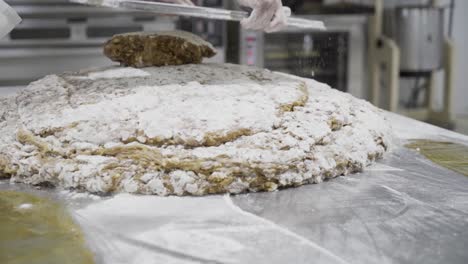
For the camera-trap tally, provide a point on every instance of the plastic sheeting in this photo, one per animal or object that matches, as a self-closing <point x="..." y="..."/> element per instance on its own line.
<point x="405" y="209"/>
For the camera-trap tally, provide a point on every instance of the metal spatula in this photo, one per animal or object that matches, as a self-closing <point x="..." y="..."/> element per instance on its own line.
<point x="197" y="11"/>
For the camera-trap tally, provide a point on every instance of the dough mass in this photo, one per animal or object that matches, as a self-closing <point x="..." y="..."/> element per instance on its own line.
<point x="185" y="130"/>
<point x="140" y="49"/>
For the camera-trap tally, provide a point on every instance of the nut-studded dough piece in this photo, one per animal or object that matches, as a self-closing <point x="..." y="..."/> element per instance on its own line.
<point x="143" y="49"/>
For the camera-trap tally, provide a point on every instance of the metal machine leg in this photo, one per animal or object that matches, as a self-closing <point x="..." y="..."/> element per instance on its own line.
<point x="390" y="57"/>
<point x="443" y="118"/>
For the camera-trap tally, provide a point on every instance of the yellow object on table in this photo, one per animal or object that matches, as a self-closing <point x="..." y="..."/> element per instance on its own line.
<point x="450" y="155"/>
<point x="34" y="229"/>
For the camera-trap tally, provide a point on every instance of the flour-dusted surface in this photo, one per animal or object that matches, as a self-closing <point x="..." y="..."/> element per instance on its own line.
<point x="192" y="129"/>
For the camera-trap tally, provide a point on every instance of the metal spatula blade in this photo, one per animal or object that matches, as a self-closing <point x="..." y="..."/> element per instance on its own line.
<point x="197" y="11"/>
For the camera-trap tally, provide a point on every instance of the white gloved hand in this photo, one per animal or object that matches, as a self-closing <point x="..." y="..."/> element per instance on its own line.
<point x="267" y="15"/>
<point x="179" y="2"/>
<point x="8" y="19"/>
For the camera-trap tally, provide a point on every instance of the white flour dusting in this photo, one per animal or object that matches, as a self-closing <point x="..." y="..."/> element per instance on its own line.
<point x="118" y="73"/>
<point x="25" y="206"/>
<point x="188" y="129"/>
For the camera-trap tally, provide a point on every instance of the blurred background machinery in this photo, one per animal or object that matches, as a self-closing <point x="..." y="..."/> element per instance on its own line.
<point x="57" y="36"/>
<point x="397" y="54"/>
<point x="412" y="46"/>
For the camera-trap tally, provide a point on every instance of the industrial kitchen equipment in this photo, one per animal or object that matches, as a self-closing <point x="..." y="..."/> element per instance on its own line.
<point x="411" y="47"/>
<point x="57" y="36"/>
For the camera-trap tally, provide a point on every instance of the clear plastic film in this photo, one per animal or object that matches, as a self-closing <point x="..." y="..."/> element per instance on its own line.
<point x="8" y="18"/>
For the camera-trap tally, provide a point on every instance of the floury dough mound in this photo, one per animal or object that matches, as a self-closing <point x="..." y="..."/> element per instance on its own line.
<point x="185" y="130"/>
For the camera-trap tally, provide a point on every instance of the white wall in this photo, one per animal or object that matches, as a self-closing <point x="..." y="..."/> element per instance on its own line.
<point x="460" y="36"/>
